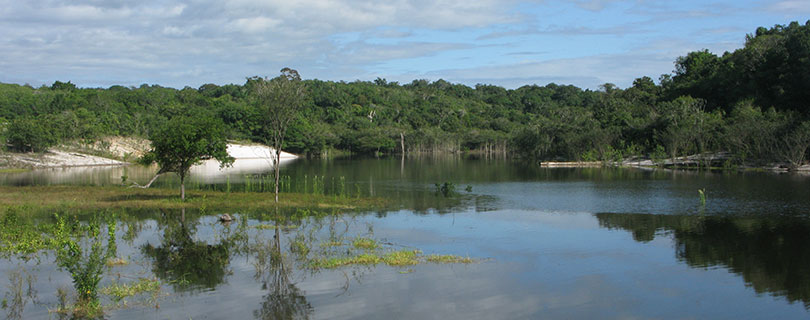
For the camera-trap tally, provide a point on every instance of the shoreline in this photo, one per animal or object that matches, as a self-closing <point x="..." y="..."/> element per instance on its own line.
<point x="62" y="157"/>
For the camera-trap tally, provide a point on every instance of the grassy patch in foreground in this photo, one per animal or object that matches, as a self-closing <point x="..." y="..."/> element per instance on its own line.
<point x="399" y="258"/>
<point x="120" y="291"/>
<point x="111" y="197"/>
<point x="371" y="252"/>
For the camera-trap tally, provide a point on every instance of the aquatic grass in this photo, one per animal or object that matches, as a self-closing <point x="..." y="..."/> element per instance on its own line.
<point x="335" y="262"/>
<point x="402" y="258"/>
<point x="116" y="262"/>
<point x="300" y="247"/>
<point x="21" y="237"/>
<point x="121" y="291"/>
<point x="365" y="244"/>
<point x="59" y="198"/>
<point x="396" y="258"/>
<point x="702" y="194"/>
<point x="448" y="258"/>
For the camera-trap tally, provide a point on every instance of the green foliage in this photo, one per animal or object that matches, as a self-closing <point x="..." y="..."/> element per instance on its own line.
<point x="748" y="102"/>
<point x="29" y="135"/>
<point x="185" y="141"/>
<point x="121" y="291"/>
<point x="85" y="266"/>
<point x="446" y="189"/>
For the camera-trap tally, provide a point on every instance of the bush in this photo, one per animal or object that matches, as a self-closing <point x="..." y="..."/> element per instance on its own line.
<point x="29" y="134"/>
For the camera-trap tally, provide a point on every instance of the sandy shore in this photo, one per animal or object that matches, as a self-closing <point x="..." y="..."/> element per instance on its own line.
<point x="58" y="158"/>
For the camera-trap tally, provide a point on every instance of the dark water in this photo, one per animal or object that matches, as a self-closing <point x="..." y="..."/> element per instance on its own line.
<point x="549" y="243"/>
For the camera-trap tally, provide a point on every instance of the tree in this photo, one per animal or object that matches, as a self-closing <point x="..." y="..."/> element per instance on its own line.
<point x="30" y="134"/>
<point x="279" y="100"/>
<point x="185" y="141"/>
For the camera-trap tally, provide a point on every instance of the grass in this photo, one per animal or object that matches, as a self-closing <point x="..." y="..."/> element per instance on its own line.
<point x="114" y="262"/>
<point x="399" y="258"/>
<point x="120" y="291"/>
<point x="402" y="258"/>
<point x="113" y="197"/>
<point x="365" y="244"/>
<point x="374" y="254"/>
<point x="448" y="258"/>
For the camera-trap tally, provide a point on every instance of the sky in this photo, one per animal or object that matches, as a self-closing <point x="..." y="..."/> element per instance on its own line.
<point x="510" y="43"/>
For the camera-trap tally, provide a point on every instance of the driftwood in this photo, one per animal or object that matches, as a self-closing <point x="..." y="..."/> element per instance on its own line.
<point x="136" y="185"/>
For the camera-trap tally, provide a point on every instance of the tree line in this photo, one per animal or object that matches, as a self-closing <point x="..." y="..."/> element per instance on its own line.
<point x="753" y="103"/>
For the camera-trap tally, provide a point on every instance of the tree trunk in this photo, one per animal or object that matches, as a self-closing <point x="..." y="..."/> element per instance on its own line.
<point x="182" y="188"/>
<point x="135" y="184"/>
<point x="277" y="161"/>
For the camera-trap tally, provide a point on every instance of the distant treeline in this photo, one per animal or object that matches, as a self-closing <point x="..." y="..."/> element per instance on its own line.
<point x="753" y="103"/>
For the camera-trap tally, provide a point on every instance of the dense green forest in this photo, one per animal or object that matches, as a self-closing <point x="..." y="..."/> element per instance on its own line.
<point x="753" y="103"/>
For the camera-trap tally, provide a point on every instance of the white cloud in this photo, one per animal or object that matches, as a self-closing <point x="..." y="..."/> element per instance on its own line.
<point x="791" y="6"/>
<point x="584" y="72"/>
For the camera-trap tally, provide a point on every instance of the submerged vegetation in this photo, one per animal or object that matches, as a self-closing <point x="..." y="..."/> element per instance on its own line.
<point x="84" y="244"/>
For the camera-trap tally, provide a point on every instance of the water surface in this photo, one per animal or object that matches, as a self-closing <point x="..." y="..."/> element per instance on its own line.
<point x="548" y="243"/>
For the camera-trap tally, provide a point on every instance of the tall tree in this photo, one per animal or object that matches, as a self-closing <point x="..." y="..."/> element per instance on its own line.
<point x="185" y="141"/>
<point x="279" y="100"/>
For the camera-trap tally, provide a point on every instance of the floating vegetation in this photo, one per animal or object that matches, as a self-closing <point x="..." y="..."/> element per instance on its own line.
<point x="120" y="291"/>
<point x="372" y="252"/>
<point x="115" y="262"/>
<point x="402" y="258"/>
<point x="365" y="243"/>
<point x="397" y="258"/>
<point x="446" y="189"/>
<point x="448" y="258"/>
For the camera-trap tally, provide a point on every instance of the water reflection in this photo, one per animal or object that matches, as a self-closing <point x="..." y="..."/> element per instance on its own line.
<point x="20" y="292"/>
<point x="184" y="262"/>
<point x="770" y="253"/>
<point x="283" y="299"/>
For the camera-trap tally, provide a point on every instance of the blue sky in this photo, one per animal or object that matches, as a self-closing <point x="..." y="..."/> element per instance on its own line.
<point x="99" y="43"/>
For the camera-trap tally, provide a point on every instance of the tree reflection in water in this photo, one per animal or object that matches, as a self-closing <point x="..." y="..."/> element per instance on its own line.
<point x="275" y="269"/>
<point x="184" y="262"/>
<point x="770" y="253"/>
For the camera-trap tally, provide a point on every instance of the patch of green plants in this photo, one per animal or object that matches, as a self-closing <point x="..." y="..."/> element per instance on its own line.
<point x="369" y="252"/>
<point x="446" y="189"/>
<point x="120" y="291"/>
<point x="85" y="266"/>
<point x="365" y="244"/>
<point x="448" y="258"/>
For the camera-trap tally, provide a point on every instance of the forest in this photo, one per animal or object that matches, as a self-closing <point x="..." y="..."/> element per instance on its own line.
<point x="753" y="104"/>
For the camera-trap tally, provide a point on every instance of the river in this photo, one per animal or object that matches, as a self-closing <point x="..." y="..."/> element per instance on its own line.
<point x="572" y="243"/>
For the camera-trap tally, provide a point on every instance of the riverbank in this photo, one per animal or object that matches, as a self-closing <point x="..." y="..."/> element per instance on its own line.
<point x="113" y="151"/>
<point x="716" y="161"/>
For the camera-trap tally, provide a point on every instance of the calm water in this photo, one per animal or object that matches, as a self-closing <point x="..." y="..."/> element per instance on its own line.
<point x="549" y="243"/>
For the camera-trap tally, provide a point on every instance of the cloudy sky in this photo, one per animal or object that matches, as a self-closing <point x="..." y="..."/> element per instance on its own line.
<point x="98" y="43"/>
